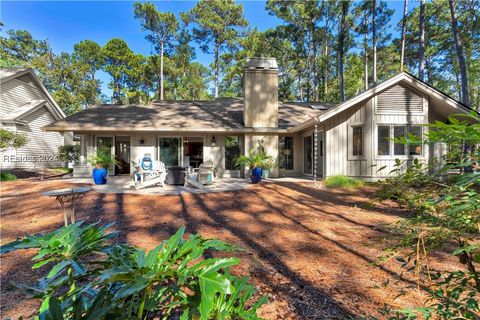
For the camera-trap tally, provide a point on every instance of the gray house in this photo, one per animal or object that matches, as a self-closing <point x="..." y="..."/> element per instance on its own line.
<point x="352" y="138"/>
<point x="26" y="107"/>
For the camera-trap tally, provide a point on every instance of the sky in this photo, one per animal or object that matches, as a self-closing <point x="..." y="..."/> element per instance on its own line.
<point x="64" y="23"/>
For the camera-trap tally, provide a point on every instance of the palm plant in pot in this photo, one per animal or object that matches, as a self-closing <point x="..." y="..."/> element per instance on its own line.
<point x="254" y="163"/>
<point x="101" y="160"/>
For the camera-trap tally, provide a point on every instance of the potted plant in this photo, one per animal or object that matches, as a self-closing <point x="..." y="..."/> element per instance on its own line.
<point x="267" y="165"/>
<point x="254" y="162"/>
<point x="101" y="160"/>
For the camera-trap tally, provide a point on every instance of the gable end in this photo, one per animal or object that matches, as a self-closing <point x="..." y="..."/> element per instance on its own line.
<point x="399" y="99"/>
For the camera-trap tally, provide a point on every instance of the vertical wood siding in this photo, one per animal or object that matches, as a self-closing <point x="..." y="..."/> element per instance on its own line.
<point x="398" y="105"/>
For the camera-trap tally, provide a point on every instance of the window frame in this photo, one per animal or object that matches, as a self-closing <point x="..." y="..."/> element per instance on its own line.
<point x="406" y="155"/>
<point x="292" y="148"/>
<point x="350" y="141"/>
<point x="225" y="151"/>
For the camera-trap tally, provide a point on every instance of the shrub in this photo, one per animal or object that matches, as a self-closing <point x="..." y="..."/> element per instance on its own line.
<point x="7" y="176"/>
<point x="92" y="278"/>
<point x="69" y="152"/>
<point x="9" y="139"/>
<point x="446" y="216"/>
<point x="342" y="181"/>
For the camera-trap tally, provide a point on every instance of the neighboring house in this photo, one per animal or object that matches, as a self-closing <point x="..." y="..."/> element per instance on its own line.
<point x="26" y="107"/>
<point x="351" y="138"/>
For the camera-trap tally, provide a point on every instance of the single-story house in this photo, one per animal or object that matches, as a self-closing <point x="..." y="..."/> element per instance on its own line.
<point x="353" y="138"/>
<point x="26" y="107"/>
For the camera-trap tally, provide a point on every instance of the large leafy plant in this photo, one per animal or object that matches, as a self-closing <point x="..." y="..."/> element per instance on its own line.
<point x="103" y="158"/>
<point x="118" y="281"/>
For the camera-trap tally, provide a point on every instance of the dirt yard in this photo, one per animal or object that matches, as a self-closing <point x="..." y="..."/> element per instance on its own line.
<point x="312" y="250"/>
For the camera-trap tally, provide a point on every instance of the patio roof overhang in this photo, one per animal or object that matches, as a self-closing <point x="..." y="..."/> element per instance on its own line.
<point x="87" y="129"/>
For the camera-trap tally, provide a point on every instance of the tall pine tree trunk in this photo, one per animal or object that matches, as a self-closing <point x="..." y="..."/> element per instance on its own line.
<point x="460" y="54"/>
<point x="341" y="44"/>
<point x="404" y="32"/>
<point x="162" y="49"/>
<point x="374" y="40"/>
<point x="365" y="49"/>
<point x="215" y="76"/>
<point x="421" y="49"/>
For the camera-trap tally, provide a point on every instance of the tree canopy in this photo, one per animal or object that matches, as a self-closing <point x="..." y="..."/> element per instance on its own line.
<point x="326" y="51"/>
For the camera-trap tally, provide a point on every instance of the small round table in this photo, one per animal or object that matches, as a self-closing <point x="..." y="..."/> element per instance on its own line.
<point x="68" y="195"/>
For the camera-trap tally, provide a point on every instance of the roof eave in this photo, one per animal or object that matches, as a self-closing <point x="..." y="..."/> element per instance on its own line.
<point x="163" y="129"/>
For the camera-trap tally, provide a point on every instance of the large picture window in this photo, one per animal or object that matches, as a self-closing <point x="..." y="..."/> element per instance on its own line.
<point x="232" y="151"/>
<point x="285" y="155"/>
<point x="387" y="140"/>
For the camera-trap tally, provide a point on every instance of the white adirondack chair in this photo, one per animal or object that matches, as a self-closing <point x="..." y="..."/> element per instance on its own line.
<point x="201" y="176"/>
<point x="146" y="178"/>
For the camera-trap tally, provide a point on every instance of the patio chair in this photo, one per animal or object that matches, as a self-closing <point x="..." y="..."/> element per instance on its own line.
<point x="201" y="176"/>
<point x="149" y="173"/>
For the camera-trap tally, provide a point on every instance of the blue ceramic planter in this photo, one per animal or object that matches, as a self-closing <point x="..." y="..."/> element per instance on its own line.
<point x="256" y="175"/>
<point x="100" y="175"/>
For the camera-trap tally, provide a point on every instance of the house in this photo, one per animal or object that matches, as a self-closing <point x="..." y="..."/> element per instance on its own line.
<point x="352" y="138"/>
<point x="26" y="107"/>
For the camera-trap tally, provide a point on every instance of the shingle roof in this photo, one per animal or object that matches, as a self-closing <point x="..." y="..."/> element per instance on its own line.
<point x="224" y="113"/>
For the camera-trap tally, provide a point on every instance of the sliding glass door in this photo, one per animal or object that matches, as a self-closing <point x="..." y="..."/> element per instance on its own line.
<point x="170" y="151"/>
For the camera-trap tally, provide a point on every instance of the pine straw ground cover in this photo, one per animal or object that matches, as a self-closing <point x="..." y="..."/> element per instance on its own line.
<point x="311" y="250"/>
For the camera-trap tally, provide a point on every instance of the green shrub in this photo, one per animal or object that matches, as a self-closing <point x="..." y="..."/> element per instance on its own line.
<point x="93" y="278"/>
<point x="7" y="176"/>
<point x="341" y="181"/>
<point x="69" y="152"/>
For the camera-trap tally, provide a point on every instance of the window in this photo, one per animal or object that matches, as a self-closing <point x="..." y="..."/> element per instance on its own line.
<point x="383" y="146"/>
<point x="285" y="153"/>
<point x="357" y="141"/>
<point x="386" y="141"/>
<point x="415" y="148"/>
<point x="398" y="148"/>
<point x="232" y="151"/>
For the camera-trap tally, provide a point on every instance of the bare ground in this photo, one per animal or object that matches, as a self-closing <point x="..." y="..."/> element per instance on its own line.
<point x="312" y="250"/>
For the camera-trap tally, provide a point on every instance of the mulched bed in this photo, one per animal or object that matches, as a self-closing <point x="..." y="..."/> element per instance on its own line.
<point x="312" y="250"/>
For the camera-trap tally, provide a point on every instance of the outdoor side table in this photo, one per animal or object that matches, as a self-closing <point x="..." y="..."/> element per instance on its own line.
<point x="64" y="196"/>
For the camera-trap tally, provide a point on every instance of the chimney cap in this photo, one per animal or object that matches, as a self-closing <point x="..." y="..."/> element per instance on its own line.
<point x="261" y="63"/>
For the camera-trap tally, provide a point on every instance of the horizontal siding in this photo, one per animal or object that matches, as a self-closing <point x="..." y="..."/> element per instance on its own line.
<point x="399" y="99"/>
<point x="15" y="93"/>
<point x="40" y="144"/>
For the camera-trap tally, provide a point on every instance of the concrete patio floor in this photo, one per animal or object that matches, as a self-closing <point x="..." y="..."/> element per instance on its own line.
<point x="124" y="184"/>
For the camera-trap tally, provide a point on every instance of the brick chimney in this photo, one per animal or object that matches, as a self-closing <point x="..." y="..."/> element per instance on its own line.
<point x="260" y="92"/>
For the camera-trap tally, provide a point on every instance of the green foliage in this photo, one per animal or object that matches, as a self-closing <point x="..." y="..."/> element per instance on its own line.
<point x="103" y="158"/>
<point x="341" y="181"/>
<point x="69" y="152"/>
<point x="254" y="160"/>
<point x="117" y="281"/>
<point x="216" y="27"/>
<point x="10" y="139"/>
<point x="7" y="176"/>
<point x="447" y="215"/>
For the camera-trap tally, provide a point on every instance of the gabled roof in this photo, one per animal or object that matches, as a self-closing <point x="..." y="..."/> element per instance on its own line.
<point x="404" y="78"/>
<point x="224" y="114"/>
<point x="8" y="74"/>
<point x="23" y="111"/>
